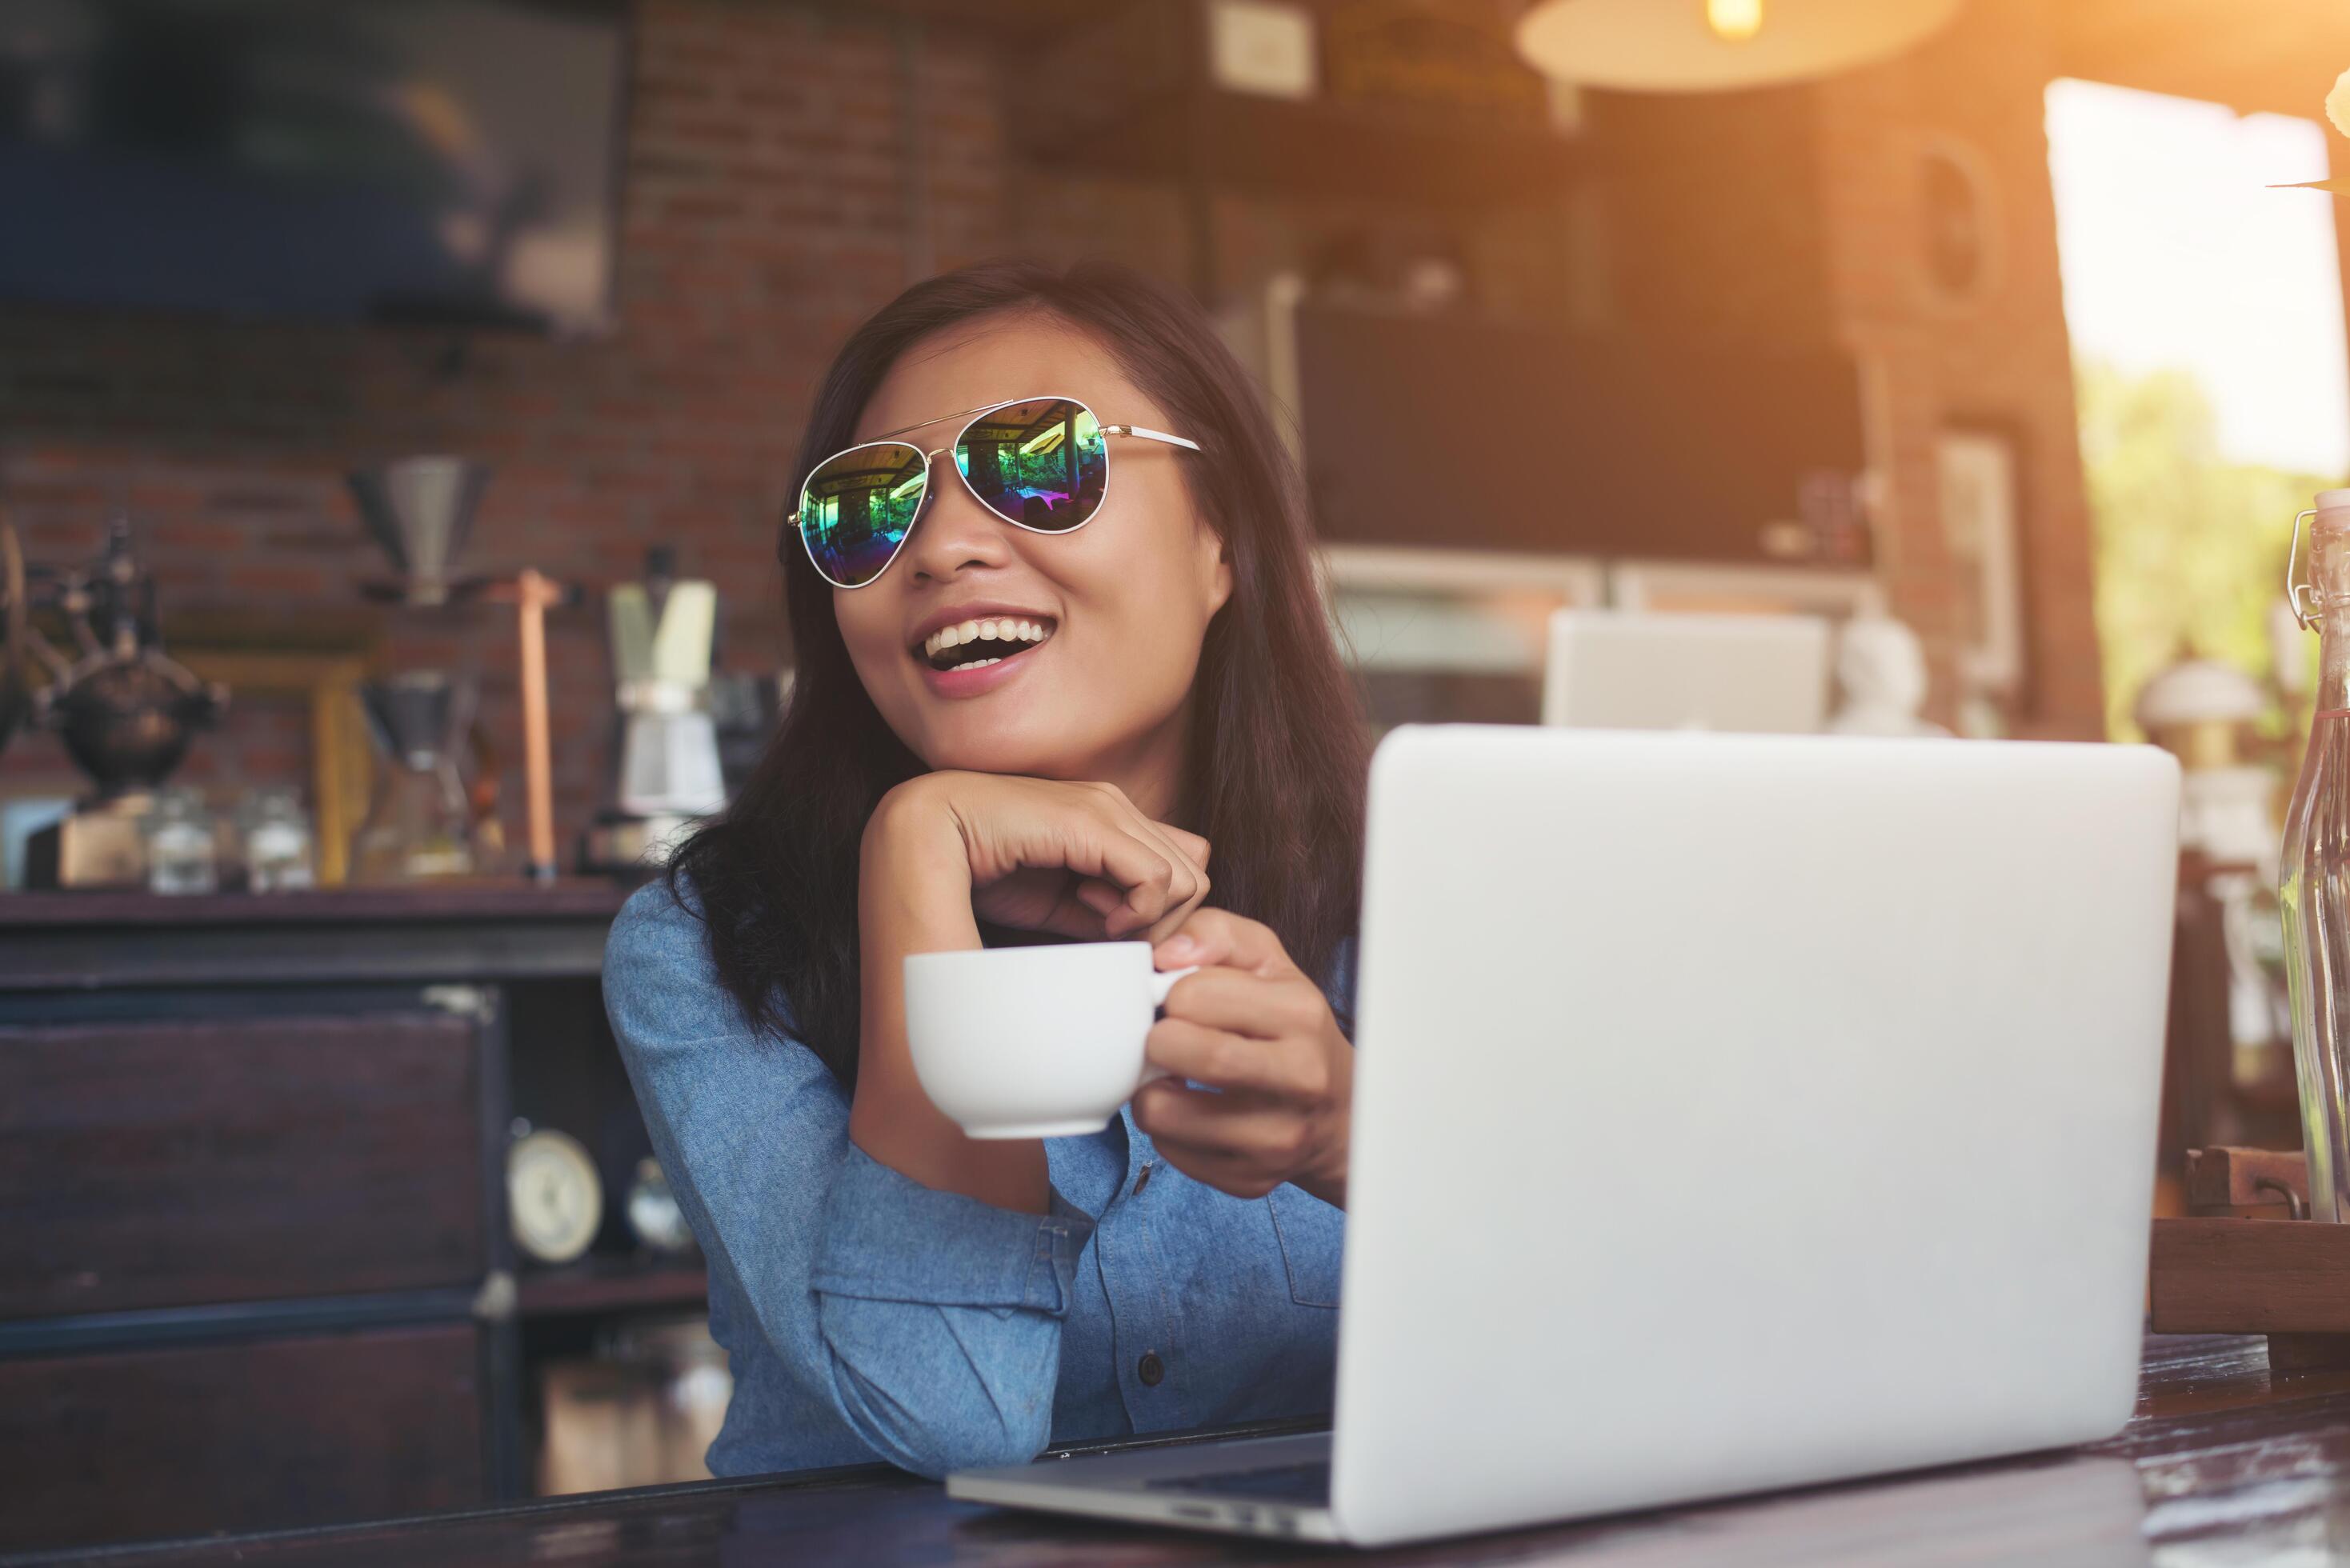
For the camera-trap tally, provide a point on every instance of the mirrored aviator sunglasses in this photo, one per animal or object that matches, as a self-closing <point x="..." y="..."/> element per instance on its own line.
<point x="1039" y="463"/>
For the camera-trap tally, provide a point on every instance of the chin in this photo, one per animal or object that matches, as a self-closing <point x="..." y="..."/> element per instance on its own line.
<point x="997" y="753"/>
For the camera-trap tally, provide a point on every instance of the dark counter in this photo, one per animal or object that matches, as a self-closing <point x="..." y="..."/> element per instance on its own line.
<point x="455" y="933"/>
<point x="2221" y="1460"/>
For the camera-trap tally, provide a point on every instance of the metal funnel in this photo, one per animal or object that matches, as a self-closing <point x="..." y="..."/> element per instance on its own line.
<point x="420" y="509"/>
<point x="417" y="718"/>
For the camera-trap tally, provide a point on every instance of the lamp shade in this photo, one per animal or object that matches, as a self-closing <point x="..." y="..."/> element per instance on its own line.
<point x="1710" y="45"/>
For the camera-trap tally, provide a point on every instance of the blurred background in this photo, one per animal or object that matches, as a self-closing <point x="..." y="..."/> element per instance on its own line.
<point x="398" y="406"/>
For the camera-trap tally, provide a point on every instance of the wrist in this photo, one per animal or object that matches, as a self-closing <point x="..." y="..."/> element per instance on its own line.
<point x="914" y="874"/>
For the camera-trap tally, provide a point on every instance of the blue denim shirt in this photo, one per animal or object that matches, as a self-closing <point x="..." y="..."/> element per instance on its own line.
<point x="868" y="1316"/>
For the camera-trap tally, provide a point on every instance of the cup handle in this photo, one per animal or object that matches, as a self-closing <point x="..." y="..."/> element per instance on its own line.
<point x="1163" y="980"/>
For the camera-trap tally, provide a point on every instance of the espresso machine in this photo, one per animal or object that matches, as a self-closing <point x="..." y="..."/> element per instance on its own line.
<point x="124" y="710"/>
<point x="668" y="776"/>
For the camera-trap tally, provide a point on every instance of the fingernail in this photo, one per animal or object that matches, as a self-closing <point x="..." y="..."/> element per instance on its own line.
<point x="1178" y="946"/>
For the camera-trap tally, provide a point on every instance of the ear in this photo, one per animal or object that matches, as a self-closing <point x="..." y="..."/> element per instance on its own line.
<point x="1216" y="558"/>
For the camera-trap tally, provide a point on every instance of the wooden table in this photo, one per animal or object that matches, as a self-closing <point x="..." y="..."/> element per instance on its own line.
<point x="2222" y="1463"/>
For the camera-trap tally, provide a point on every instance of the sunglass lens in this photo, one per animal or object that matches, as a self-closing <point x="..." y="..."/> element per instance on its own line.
<point x="1042" y="462"/>
<point x="856" y="506"/>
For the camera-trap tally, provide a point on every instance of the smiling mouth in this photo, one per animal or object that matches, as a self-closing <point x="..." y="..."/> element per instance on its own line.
<point x="986" y="640"/>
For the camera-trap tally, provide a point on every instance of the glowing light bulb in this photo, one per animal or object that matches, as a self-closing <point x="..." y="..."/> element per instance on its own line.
<point x="1734" y="21"/>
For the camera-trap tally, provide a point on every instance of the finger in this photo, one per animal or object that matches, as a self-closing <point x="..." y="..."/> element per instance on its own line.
<point x="1287" y="1070"/>
<point x="1226" y="1173"/>
<point x="1188" y="850"/>
<point x="1167" y="925"/>
<point x="1190" y="881"/>
<point x="1220" y="936"/>
<point x="1139" y="869"/>
<point x="1189" y="843"/>
<point x="1217" y="1128"/>
<point x="1098" y="896"/>
<point x="1241" y="1001"/>
<point x="1174" y="842"/>
<point x="1187" y="882"/>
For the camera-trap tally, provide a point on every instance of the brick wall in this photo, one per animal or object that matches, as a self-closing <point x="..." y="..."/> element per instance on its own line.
<point x="762" y="217"/>
<point x="763" y="214"/>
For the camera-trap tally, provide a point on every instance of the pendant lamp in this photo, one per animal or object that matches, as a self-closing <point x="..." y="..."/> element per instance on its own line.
<point x="1712" y="45"/>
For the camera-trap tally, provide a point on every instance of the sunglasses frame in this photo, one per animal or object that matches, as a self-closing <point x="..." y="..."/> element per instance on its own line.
<point x="970" y="416"/>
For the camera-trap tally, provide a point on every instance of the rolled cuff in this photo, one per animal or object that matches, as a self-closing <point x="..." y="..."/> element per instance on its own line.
<point x="888" y="1238"/>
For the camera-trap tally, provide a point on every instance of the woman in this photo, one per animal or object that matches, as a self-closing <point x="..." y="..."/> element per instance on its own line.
<point x="1048" y="683"/>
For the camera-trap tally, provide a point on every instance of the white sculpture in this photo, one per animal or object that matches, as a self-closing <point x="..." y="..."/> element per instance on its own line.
<point x="1881" y="675"/>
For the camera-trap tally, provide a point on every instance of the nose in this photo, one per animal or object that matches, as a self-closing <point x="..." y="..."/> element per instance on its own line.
<point x="955" y="533"/>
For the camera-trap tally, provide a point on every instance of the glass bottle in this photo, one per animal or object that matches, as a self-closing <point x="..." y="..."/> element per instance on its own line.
<point x="278" y="843"/>
<point x="180" y="851"/>
<point x="2313" y="877"/>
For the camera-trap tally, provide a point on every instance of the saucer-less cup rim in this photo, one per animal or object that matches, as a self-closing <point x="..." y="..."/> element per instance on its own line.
<point x="1025" y="1062"/>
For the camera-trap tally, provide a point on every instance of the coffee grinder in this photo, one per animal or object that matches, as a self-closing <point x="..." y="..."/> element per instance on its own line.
<point x="668" y="776"/>
<point x="420" y="511"/>
<point x="124" y="710"/>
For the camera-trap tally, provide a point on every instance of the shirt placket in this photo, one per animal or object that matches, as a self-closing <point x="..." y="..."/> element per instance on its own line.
<point x="1154" y="1377"/>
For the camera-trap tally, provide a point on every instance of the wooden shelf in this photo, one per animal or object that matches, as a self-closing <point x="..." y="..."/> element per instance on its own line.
<point x="504" y="899"/>
<point x="596" y="1284"/>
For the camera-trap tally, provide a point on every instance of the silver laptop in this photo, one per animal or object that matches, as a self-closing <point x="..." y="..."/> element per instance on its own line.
<point x="1639" y="670"/>
<point x="1731" y="1113"/>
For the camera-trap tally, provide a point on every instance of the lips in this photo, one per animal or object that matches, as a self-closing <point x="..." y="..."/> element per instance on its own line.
<point x="981" y="676"/>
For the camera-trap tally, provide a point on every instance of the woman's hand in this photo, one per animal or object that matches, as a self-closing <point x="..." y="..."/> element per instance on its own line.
<point x="947" y="849"/>
<point x="1046" y="854"/>
<point x="1251" y="1025"/>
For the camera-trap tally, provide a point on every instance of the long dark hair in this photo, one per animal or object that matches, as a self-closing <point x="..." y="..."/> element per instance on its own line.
<point x="1275" y="765"/>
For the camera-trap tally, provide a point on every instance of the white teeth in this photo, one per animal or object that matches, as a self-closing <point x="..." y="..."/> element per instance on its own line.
<point x="998" y="630"/>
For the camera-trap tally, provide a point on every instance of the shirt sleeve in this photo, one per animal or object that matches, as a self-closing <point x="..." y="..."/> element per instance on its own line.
<point x="929" y="1322"/>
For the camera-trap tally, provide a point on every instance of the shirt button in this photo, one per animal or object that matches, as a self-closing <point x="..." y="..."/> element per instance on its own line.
<point x="1143" y="1180"/>
<point x="1150" y="1369"/>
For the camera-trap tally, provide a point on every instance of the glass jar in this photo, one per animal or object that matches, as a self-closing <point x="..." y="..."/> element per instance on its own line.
<point x="181" y="857"/>
<point x="278" y="844"/>
<point x="2313" y="876"/>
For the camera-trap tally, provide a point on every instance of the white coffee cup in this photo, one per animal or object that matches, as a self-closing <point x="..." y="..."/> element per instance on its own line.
<point x="1033" y="1042"/>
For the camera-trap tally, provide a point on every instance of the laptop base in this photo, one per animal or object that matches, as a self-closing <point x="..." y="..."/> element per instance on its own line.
<point x="1276" y="1487"/>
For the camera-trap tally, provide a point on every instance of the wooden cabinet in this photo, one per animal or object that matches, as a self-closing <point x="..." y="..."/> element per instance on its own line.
<point x="255" y="1270"/>
<point x="291" y="1430"/>
<point x="166" y="1162"/>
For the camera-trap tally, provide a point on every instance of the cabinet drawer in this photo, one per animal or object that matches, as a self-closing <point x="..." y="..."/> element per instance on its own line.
<point x="140" y="1444"/>
<point x="183" y="1162"/>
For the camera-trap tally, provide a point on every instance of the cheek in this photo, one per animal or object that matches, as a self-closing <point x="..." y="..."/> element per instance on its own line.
<point x="868" y="630"/>
<point x="1150" y="613"/>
